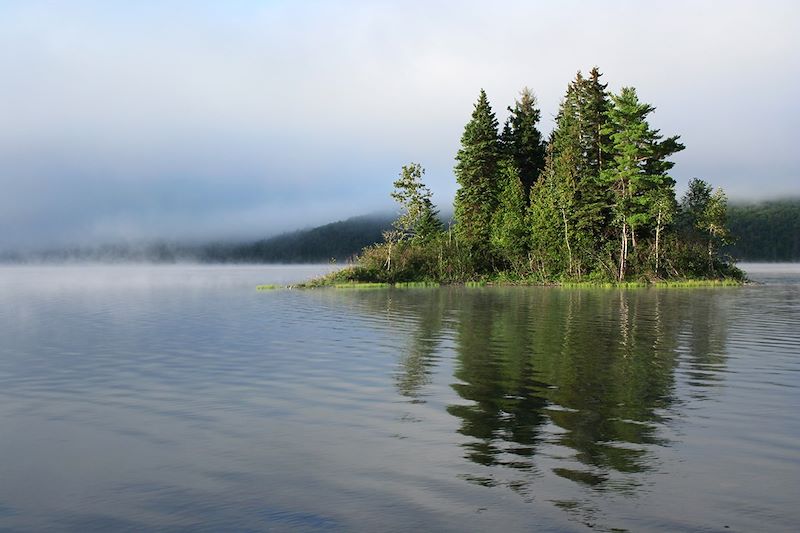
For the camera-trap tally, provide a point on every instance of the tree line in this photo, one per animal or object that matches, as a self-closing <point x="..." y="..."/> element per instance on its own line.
<point x="765" y="231"/>
<point x="594" y="201"/>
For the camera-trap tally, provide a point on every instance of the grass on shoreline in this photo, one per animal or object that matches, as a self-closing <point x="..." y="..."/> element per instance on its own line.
<point x="354" y="277"/>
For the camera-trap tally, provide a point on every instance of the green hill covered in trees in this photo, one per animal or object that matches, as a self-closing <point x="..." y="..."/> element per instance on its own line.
<point x="337" y="241"/>
<point x="595" y="202"/>
<point x="765" y="231"/>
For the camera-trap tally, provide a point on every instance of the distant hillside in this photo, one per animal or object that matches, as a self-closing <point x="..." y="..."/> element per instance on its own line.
<point x="338" y="240"/>
<point x="765" y="231"/>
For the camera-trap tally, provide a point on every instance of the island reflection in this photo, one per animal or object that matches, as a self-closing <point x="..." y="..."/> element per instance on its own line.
<point x="576" y="383"/>
<point x="572" y="384"/>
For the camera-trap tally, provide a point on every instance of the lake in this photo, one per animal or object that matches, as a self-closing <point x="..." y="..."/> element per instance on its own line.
<point x="180" y="398"/>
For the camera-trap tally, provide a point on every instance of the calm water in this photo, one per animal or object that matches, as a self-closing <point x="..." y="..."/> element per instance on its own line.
<point x="178" y="397"/>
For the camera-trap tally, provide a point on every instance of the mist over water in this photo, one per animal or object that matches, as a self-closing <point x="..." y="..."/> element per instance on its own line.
<point x="173" y="397"/>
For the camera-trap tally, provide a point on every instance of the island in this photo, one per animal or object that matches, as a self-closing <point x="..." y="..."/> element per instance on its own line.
<point x="592" y="204"/>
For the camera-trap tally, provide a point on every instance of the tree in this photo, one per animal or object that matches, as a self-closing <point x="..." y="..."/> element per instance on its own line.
<point x="522" y="142"/>
<point x="509" y="228"/>
<point x="704" y="216"/>
<point x="418" y="220"/>
<point x="715" y="221"/>
<point x="593" y="106"/>
<point x="575" y="151"/>
<point x="549" y="239"/>
<point x="694" y="204"/>
<point x="477" y="175"/>
<point x="637" y="173"/>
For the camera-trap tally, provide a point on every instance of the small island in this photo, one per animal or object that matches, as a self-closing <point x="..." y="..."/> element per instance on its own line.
<point x="593" y="204"/>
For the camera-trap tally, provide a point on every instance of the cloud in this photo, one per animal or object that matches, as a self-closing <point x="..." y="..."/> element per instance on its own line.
<point x="195" y="119"/>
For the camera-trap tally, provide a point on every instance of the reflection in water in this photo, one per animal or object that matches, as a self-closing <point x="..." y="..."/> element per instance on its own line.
<point x="421" y="353"/>
<point x="580" y="381"/>
<point x="184" y="399"/>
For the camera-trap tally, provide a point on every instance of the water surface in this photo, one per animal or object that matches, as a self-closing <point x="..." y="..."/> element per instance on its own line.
<point x="178" y="397"/>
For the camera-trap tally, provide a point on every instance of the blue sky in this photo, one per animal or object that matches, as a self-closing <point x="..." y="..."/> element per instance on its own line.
<point x="195" y="120"/>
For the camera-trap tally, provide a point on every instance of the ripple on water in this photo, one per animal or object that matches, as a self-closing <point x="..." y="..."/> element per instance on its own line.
<point x="179" y="397"/>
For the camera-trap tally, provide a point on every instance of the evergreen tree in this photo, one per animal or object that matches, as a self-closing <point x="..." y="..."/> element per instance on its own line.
<point x="509" y="229"/>
<point x="593" y="104"/>
<point x="522" y="141"/>
<point x="477" y="175"/>
<point x="576" y="150"/>
<point x="549" y="238"/>
<point x="637" y="174"/>
<point x="693" y="207"/>
<point x="703" y="217"/>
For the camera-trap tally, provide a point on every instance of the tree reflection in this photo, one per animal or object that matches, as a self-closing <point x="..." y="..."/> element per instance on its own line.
<point x="590" y="372"/>
<point x="577" y="384"/>
<point x="422" y="351"/>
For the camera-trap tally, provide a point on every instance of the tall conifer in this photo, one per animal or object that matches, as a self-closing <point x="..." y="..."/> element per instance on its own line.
<point x="576" y="151"/>
<point x="477" y="175"/>
<point x="638" y="172"/>
<point x="522" y="140"/>
<point x="509" y="230"/>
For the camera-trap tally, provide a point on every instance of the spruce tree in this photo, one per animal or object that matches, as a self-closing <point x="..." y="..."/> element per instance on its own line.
<point x="522" y="141"/>
<point x="477" y="175"/>
<point x="593" y="105"/>
<point x="637" y="174"/>
<point x="509" y="228"/>
<point x="576" y="150"/>
<point x="703" y="218"/>
<point x="549" y="239"/>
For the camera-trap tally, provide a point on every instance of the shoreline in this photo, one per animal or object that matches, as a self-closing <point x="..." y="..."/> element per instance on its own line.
<point x="344" y="279"/>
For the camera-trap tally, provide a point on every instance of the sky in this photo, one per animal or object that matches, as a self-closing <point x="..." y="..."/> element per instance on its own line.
<point x="198" y="120"/>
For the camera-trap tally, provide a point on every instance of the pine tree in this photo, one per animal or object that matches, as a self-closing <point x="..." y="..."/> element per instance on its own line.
<point x="703" y="217"/>
<point x="576" y="150"/>
<point x="477" y="175"/>
<point x="522" y="142"/>
<point x="509" y="228"/>
<point x="593" y="105"/>
<point x="693" y="207"/>
<point x="549" y="239"/>
<point x="637" y="174"/>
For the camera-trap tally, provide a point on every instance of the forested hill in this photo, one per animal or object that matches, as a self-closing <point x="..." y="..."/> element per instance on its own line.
<point x="337" y="240"/>
<point x="766" y="231"/>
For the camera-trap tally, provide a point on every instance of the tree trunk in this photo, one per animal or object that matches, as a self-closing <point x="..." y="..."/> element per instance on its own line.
<point x="623" y="251"/>
<point x="566" y="239"/>
<point x="658" y="233"/>
<point x="710" y="255"/>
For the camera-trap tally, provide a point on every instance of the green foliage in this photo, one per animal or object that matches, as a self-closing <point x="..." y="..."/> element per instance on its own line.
<point x="637" y="174"/>
<point x="362" y="285"/>
<point x="600" y="208"/>
<point x="580" y="147"/>
<point x="418" y="218"/>
<point x="767" y="231"/>
<point x="477" y="175"/>
<point x="522" y="143"/>
<point x="693" y="208"/>
<point x="548" y="237"/>
<point x="509" y="229"/>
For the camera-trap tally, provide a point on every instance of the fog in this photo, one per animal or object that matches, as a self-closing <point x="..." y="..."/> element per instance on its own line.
<point x="237" y="120"/>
